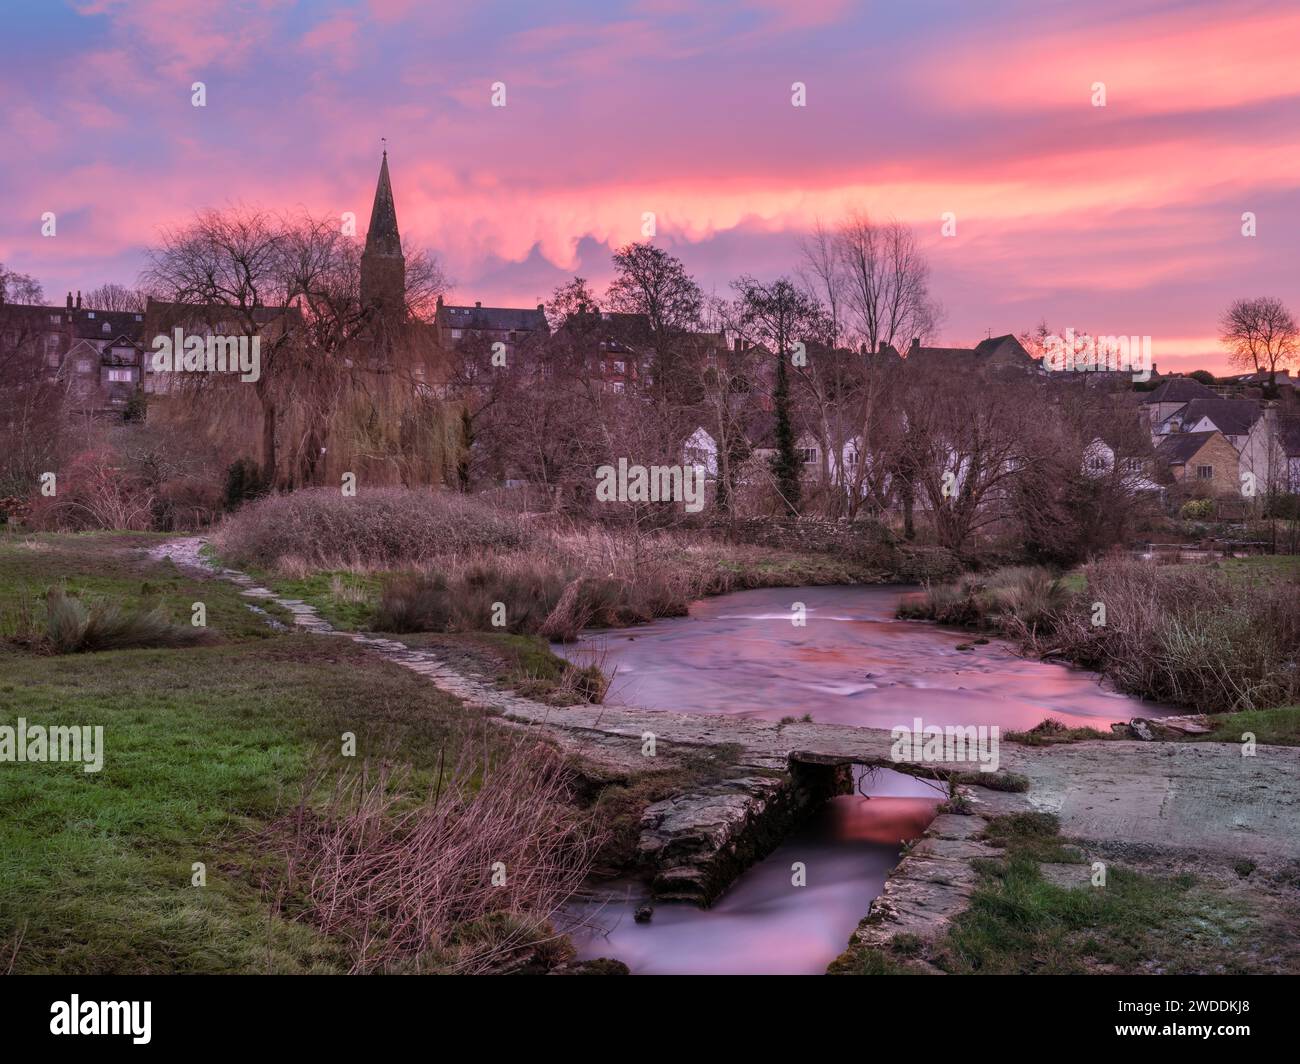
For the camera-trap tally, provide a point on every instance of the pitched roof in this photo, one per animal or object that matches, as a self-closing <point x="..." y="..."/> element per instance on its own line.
<point x="1288" y="434"/>
<point x="1179" y="447"/>
<point x="89" y="324"/>
<point x="382" y="237"/>
<point x="1179" y="390"/>
<point x="501" y="319"/>
<point x="1232" y="417"/>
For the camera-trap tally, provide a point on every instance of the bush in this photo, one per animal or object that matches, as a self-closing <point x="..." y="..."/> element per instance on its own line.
<point x="1197" y="510"/>
<point x="379" y="528"/>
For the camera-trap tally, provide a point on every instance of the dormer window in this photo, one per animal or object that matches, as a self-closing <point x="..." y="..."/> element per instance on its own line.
<point x="90" y="314"/>
<point x="107" y="327"/>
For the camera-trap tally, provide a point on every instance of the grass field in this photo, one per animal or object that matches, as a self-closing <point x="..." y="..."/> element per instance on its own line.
<point x="203" y="748"/>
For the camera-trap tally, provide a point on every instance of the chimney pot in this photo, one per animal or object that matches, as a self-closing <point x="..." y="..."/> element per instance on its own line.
<point x="69" y="300"/>
<point x="78" y="298"/>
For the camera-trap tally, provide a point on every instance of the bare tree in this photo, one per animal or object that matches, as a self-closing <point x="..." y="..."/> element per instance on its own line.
<point x="822" y="274"/>
<point x="886" y="282"/>
<point x="573" y="297"/>
<point x="1260" y="334"/>
<point x="115" y="297"/>
<point x="18" y="287"/>
<point x="326" y="361"/>
<point x="650" y="282"/>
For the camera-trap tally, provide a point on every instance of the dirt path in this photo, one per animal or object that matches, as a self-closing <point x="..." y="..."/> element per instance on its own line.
<point x="1200" y="804"/>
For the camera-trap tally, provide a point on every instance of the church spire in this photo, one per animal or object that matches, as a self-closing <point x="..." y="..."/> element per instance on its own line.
<point x="382" y="237"/>
<point x="383" y="267"/>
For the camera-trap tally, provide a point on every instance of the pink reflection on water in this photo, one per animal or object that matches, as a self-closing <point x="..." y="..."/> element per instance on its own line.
<point x="851" y="663"/>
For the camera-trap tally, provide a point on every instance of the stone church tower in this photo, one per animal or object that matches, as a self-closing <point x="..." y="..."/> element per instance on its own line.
<point x="383" y="266"/>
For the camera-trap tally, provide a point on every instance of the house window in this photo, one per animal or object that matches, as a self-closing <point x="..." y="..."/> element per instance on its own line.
<point x="56" y="319"/>
<point x="457" y="333"/>
<point x="807" y="455"/>
<point x="83" y="365"/>
<point x="119" y="376"/>
<point x="620" y="367"/>
<point x="108" y="325"/>
<point x="616" y="386"/>
<point x="1204" y="472"/>
<point x="1097" y="464"/>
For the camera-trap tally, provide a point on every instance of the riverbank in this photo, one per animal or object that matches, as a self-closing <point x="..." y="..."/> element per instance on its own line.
<point x="693" y="801"/>
<point x="1214" y="639"/>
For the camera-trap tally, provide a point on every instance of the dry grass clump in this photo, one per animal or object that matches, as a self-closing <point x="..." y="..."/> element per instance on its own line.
<point x="379" y="528"/>
<point x="1189" y="635"/>
<point x="465" y="878"/>
<point x="1021" y="600"/>
<point x="73" y="627"/>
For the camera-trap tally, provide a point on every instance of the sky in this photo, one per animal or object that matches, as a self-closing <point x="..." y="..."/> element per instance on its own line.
<point x="1120" y="219"/>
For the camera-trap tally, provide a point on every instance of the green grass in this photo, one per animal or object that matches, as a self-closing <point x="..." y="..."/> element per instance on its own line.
<point x="1021" y="922"/>
<point x="203" y="747"/>
<point x="347" y="600"/>
<point x="1268" y="566"/>
<point x="1271" y="727"/>
<point x="111" y="568"/>
<point x="524" y="664"/>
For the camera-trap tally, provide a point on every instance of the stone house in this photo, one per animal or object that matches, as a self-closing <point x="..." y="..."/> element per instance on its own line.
<point x="1204" y="460"/>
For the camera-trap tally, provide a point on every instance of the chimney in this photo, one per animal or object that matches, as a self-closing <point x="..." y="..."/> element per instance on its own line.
<point x="78" y="298"/>
<point x="916" y="343"/>
<point x="477" y="305"/>
<point x="736" y="345"/>
<point x="541" y="307"/>
<point x="69" y="300"/>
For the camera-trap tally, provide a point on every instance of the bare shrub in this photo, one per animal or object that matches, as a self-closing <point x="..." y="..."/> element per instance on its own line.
<point x="1190" y="635"/>
<point x="464" y="879"/>
<point x="414" y="602"/>
<point x="381" y="528"/>
<point x="95" y="492"/>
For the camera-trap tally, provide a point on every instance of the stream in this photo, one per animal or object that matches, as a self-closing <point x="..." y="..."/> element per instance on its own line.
<point x="851" y="663"/>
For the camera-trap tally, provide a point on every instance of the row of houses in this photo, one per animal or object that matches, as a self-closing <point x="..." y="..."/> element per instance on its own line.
<point x="1228" y="439"/>
<point x="1206" y="437"/>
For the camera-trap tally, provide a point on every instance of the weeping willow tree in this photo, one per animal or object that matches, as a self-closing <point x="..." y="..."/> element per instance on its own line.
<point x="339" y="389"/>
